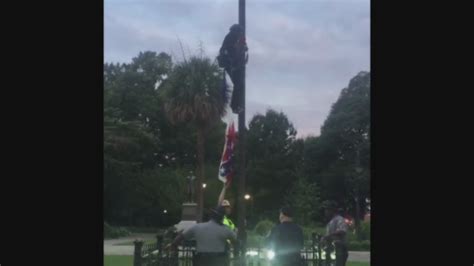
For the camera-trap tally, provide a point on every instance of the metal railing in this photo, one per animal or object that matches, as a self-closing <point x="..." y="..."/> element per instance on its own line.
<point x="312" y="254"/>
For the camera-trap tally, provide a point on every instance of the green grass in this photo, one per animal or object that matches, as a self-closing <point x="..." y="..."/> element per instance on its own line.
<point x="353" y="263"/>
<point x="115" y="260"/>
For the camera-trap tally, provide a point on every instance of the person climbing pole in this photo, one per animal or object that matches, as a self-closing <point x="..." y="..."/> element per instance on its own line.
<point x="233" y="57"/>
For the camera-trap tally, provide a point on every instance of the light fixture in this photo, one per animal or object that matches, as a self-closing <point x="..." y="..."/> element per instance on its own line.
<point x="270" y="254"/>
<point x="252" y="253"/>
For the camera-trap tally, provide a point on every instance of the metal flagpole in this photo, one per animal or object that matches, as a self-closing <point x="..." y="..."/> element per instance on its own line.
<point x="242" y="146"/>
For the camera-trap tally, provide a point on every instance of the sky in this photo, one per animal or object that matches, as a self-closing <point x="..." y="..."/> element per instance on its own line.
<point x="302" y="53"/>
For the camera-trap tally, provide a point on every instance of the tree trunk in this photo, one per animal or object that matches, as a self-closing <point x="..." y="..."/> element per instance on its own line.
<point x="200" y="173"/>
<point x="357" y="218"/>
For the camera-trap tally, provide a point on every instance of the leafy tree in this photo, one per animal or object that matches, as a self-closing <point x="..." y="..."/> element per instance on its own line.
<point x="305" y="199"/>
<point x="128" y="150"/>
<point x="160" y="118"/>
<point x="193" y="95"/>
<point x="272" y="160"/>
<point x="340" y="157"/>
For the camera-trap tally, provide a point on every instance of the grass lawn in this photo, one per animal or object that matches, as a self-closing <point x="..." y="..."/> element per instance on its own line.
<point x="353" y="263"/>
<point x="113" y="260"/>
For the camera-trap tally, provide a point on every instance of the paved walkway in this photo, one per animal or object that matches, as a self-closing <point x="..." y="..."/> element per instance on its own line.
<point x="362" y="256"/>
<point x="111" y="247"/>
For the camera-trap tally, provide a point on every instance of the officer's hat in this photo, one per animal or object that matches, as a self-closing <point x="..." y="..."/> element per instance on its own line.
<point x="225" y="203"/>
<point x="217" y="214"/>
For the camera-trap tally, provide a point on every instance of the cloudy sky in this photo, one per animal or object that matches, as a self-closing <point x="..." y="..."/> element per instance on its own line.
<point x="301" y="52"/>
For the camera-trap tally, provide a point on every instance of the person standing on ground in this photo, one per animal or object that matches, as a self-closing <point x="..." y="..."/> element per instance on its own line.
<point x="336" y="231"/>
<point x="210" y="240"/>
<point x="286" y="240"/>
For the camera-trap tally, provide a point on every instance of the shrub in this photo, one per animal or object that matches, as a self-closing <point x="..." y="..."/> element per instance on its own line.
<point x="263" y="227"/>
<point x="114" y="232"/>
<point x="351" y="236"/>
<point x="365" y="245"/>
<point x="149" y="230"/>
<point x="365" y="230"/>
<point x="359" y="245"/>
<point x="354" y="246"/>
<point x="308" y="231"/>
<point x="255" y="240"/>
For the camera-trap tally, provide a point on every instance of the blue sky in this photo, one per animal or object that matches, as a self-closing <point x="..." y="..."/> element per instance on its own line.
<point x="302" y="53"/>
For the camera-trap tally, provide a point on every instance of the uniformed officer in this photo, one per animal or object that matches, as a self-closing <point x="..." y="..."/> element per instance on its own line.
<point x="210" y="240"/>
<point x="336" y="232"/>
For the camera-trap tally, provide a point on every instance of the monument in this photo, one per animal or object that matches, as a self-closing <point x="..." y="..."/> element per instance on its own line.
<point x="189" y="214"/>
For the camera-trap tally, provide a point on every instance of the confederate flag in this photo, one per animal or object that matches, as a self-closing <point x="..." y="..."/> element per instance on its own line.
<point x="226" y="170"/>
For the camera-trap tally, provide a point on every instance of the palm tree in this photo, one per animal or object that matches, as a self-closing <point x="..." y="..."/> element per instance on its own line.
<point x="193" y="94"/>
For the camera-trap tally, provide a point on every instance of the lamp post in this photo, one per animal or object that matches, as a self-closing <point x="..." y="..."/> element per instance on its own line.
<point x="249" y="199"/>
<point x="358" y="172"/>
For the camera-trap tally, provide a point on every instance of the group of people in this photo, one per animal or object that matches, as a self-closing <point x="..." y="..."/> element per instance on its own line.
<point x="213" y="238"/>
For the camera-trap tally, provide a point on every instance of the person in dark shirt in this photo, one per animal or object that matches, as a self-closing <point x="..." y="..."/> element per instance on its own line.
<point x="232" y="57"/>
<point x="286" y="240"/>
<point x="229" y="49"/>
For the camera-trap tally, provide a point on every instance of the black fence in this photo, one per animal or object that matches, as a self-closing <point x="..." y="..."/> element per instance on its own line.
<point x="313" y="254"/>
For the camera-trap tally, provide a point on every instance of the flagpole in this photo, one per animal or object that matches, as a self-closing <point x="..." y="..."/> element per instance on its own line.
<point x="242" y="235"/>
